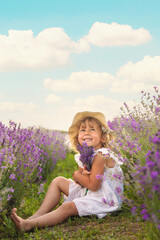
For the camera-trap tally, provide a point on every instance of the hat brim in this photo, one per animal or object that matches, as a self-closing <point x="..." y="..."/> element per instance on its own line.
<point x="80" y="116"/>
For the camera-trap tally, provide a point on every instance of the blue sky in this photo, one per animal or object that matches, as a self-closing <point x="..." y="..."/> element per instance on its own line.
<point x="60" y="57"/>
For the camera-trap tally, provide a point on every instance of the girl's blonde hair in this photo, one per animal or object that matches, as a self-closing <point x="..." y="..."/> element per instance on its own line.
<point x="107" y="134"/>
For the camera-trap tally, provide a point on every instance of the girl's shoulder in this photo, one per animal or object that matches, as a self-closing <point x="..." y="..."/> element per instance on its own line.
<point x="104" y="151"/>
<point x="111" y="154"/>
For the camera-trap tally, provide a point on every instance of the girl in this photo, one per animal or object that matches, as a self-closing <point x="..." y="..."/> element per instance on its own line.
<point x="98" y="191"/>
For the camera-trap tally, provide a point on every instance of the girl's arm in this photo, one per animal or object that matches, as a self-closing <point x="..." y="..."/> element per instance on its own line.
<point x="90" y="181"/>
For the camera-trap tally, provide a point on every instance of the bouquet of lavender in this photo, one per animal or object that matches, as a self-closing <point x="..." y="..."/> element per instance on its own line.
<point x="86" y="155"/>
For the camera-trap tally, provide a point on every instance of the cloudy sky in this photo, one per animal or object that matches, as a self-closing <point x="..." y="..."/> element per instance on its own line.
<point x="61" y="57"/>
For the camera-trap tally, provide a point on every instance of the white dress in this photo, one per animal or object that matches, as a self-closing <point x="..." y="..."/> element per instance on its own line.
<point x="107" y="198"/>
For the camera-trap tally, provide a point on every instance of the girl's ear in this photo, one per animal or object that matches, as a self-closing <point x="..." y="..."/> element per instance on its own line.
<point x="102" y="138"/>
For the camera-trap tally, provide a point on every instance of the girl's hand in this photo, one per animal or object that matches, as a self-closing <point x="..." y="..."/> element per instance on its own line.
<point x="80" y="169"/>
<point x="88" y="179"/>
<point x="85" y="171"/>
<point x="74" y="177"/>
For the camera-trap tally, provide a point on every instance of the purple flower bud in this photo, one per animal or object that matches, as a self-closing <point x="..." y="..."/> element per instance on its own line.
<point x="12" y="176"/>
<point x="118" y="189"/>
<point x="143" y="211"/>
<point x="104" y="200"/>
<point x="146" y="216"/>
<point x="111" y="203"/>
<point x="151" y="164"/>
<point x="9" y="196"/>
<point x="154" y="174"/>
<point x="133" y="210"/>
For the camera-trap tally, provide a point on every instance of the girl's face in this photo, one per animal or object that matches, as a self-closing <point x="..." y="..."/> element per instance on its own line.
<point x="90" y="133"/>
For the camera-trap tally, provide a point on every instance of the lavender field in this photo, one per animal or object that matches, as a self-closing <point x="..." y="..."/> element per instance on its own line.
<point x="28" y="156"/>
<point x="138" y="142"/>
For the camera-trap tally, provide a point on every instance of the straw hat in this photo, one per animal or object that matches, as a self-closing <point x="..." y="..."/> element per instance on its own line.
<point x="80" y="116"/>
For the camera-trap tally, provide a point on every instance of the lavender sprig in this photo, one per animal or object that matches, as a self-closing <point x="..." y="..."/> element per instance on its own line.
<point x="86" y="155"/>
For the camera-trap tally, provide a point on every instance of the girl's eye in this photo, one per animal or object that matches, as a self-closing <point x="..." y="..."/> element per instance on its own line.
<point x="82" y="130"/>
<point x="92" y="129"/>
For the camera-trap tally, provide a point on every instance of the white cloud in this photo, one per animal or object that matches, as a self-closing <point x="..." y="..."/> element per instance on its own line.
<point x="95" y="101"/>
<point x="147" y="70"/>
<point x="59" y="118"/>
<point x="12" y="106"/>
<point x="114" y="34"/>
<point x="51" y="98"/>
<point x="98" y="103"/>
<point x="78" y="81"/>
<point x="49" y="49"/>
<point x="52" y="47"/>
<point x="110" y="107"/>
<point x="133" y="77"/>
<point x="130" y="78"/>
<point x="127" y="86"/>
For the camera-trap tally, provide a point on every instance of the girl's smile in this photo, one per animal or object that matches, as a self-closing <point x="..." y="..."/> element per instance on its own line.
<point x="90" y="133"/>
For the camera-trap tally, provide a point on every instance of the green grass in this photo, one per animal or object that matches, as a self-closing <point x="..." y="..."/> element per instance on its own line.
<point x="116" y="226"/>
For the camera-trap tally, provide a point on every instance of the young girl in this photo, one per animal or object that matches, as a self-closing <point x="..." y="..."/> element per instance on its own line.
<point x="97" y="192"/>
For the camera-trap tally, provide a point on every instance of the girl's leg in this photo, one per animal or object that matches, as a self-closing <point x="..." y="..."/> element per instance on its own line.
<point x="58" y="185"/>
<point x="49" y="219"/>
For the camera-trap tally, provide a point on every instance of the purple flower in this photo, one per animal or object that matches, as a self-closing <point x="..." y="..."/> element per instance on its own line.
<point x="118" y="189"/>
<point x="143" y="206"/>
<point x="104" y="200"/>
<point x="157" y="109"/>
<point x="151" y="164"/>
<point x="133" y="210"/>
<point x="12" y="176"/>
<point x="11" y="190"/>
<point x="157" y="156"/>
<point x="9" y="197"/>
<point x="143" y="211"/>
<point x="117" y="176"/>
<point x="86" y="155"/>
<point x="100" y="177"/>
<point x="156" y="187"/>
<point x="154" y="174"/>
<point x="146" y="216"/>
<point x="156" y="138"/>
<point x="111" y="203"/>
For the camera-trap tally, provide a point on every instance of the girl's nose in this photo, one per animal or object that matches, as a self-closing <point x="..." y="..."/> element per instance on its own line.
<point x="87" y="131"/>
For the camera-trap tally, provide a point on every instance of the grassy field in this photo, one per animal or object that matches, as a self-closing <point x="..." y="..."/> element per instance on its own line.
<point x="119" y="225"/>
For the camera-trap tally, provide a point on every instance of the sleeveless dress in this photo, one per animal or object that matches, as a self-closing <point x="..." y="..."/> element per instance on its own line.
<point x="107" y="198"/>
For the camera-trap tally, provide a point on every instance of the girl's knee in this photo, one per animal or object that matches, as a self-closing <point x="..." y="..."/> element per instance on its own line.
<point x="57" y="180"/>
<point x="70" y="207"/>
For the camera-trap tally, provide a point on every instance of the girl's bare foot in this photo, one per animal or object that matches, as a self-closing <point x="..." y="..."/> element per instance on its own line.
<point x="20" y="224"/>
